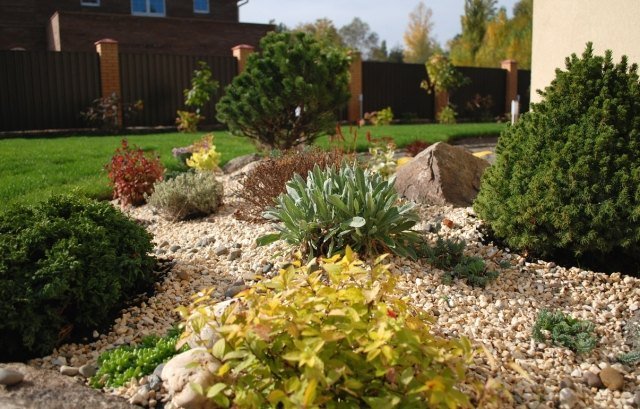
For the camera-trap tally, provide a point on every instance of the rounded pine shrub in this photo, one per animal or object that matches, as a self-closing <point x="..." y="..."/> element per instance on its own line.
<point x="289" y="93"/>
<point x="65" y="264"/>
<point x="188" y="195"/>
<point x="567" y="176"/>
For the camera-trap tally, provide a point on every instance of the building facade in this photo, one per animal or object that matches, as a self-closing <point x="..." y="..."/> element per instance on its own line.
<point x="563" y="27"/>
<point x="158" y="26"/>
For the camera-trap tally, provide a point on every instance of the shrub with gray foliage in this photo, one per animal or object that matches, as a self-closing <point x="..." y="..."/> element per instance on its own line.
<point x="188" y="195"/>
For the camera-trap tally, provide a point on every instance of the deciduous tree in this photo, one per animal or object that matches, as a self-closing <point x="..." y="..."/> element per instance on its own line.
<point x="419" y="45"/>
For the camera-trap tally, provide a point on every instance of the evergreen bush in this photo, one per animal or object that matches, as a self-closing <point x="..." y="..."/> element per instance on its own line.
<point x="65" y="264"/>
<point x="567" y="176"/>
<point x="289" y="93"/>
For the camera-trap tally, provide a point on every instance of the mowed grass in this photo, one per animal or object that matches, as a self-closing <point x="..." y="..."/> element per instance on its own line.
<point x="33" y="169"/>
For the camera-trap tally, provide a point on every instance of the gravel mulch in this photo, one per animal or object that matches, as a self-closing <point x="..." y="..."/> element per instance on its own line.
<point x="219" y="251"/>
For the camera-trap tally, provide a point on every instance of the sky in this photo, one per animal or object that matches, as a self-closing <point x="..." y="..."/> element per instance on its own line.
<point x="388" y="19"/>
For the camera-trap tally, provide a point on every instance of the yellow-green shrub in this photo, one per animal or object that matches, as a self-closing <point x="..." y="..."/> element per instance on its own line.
<point x="204" y="156"/>
<point x="333" y="335"/>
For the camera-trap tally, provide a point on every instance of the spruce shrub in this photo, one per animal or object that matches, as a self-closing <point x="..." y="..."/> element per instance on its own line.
<point x="65" y="264"/>
<point x="289" y="93"/>
<point x="567" y="176"/>
<point x="188" y="195"/>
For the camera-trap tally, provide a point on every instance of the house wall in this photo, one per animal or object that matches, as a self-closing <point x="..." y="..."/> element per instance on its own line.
<point x="25" y="23"/>
<point x="563" y="27"/>
<point x="77" y="31"/>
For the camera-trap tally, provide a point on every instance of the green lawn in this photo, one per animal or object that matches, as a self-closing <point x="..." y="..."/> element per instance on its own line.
<point x="35" y="168"/>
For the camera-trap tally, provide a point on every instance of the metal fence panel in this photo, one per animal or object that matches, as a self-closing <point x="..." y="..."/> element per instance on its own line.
<point x="46" y="90"/>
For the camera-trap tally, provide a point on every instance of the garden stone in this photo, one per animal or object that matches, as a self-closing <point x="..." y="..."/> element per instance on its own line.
<point x="179" y="372"/>
<point x="592" y="380"/>
<point x="234" y="290"/>
<point x="221" y="250"/>
<point x="612" y="379"/>
<point x="205" y="241"/>
<point x="88" y="370"/>
<point x="636" y="399"/>
<point x="568" y="398"/>
<point x="59" y="361"/>
<point x="567" y="383"/>
<point x="267" y="267"/>
<point x="154" y="381"/>
<point x="441" y="174"/>
<point x="240" y="162"/>
<point x="174" y="248"/>
<point x="68" y="370"/>
<point x="234" y="255"/>
<point x="10" y="377"/>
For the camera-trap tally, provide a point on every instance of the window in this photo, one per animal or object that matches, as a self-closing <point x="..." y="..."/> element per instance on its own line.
<point x="201" y="6"/>
<point x="148" y="7"/>
<point x="91" y="3"/>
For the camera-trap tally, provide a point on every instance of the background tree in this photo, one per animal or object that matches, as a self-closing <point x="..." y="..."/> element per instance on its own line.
<point x="419" y="45"/>
<point x="477" y="15"/>
<point x="289" y="93"/>
<point x="358" y="36"/>
<point x="322" y="30"/>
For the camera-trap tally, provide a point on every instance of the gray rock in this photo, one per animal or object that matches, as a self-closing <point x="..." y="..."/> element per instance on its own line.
<point x="636" y="399"/>
<point x="10" y="377"/>
<point x="88" y="370"/>
<point x="158" y="370"/>
<point x="237" y="245"/>
<point x="240" y="162"/>
<point x="51" y="390"/>
<point x="221" y="250"/>
<point x="164" y="244"/>
<point x="174" y="248"/>
<point x="592" y="380"/>
<point x="59" y="361"/>
<point x="234" y="255"/>
<point x="441" y="174"/>
<point x="567" y="383"/>
<point x="205" y="241"/>
<point x="567" y="398"/>
<point x="68" y="370"/>
<point x="267" y="267"/>
<point x="154" y="381"/>
<point x="233" y="290"/>
<point x="612" y="379"/>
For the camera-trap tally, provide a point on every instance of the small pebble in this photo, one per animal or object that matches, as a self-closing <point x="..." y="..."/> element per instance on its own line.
<point x="234" y="255"/>
<point x="88" y="370"/>
<point x="10" y="377"/>
<point x="221" y="250"/>
<point x="568" y="398"/>
<point x="68" y="370"/>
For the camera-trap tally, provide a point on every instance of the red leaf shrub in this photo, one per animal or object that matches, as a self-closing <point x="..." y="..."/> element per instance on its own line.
<point x="415" y="147"/>
<point x="132" y="174"/>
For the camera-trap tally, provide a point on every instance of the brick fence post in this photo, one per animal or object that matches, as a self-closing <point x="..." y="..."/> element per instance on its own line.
<point x="354" y="108"/>
<point x="110" y="71"/>
<point x="242" y="53"/>
<point x="511" y="89"/>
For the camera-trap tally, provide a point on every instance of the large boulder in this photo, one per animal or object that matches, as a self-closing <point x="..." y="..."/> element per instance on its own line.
<point x="44" y="388"/>
<point x="240" y="162"/>
<point x="441" y="174"/>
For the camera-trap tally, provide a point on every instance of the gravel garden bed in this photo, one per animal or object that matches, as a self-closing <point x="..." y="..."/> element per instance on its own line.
<point x="219" y="251"/>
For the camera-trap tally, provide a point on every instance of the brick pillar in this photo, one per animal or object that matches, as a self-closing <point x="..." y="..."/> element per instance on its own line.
<point x="242" y="53"/>
<point x="511" y="92"/>
<point x="110" y="70"/>
<point x="354" y="108"/>
<point x="440" y="101"/>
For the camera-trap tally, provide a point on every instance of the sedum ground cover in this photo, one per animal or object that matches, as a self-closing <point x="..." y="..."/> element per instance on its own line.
<point x="32" y="169"/>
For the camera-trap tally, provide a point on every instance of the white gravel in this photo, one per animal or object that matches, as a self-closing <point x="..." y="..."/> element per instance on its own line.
<point x="500" y="317"/>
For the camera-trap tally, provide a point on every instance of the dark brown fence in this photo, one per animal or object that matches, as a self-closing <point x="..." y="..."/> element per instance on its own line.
<point x="483" y="96"/>
<point x="524" y="88"/>
<point x="396" y="85"/>
<point x="46" y="90"/>
<point x="159" y="81"/>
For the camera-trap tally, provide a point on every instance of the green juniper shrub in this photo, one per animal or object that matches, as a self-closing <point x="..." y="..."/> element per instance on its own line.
<point x="347" y="206"/>
<point x="335" y="336"/>
<point x="260" y="186"/>
<point x="187" y="195"/>
<point x="567" y="175"/>
<point x="289" y="93"/>
<point x="117" y="366"/>
<point x="445" y="254"/>
<point x="565" y="331"/>
<point x="65" y="264"/>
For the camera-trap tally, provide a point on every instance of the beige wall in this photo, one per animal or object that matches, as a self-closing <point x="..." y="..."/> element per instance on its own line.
<point x="562" y="27"/>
